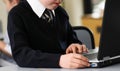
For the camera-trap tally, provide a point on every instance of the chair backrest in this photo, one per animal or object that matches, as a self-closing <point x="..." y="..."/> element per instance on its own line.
<point x="85" y="36"/>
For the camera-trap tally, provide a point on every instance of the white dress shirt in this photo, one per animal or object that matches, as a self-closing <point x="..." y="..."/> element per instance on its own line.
<point x="37" y="7"/>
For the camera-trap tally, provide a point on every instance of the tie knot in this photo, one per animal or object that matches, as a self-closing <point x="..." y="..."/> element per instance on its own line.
<point x="48" y="15"/>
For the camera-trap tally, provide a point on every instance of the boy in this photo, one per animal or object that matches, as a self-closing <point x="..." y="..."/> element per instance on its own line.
<point x="40" y="35"/>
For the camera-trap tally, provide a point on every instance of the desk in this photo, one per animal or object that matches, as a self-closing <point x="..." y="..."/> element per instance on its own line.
<point x="5" y="63"/>
<point x="115" y="67"/>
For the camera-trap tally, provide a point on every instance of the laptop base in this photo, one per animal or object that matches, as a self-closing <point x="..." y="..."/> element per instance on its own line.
<point x="104" y="63"/>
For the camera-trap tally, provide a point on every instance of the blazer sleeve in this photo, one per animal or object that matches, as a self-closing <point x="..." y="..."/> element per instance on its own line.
<point x="72" y="38"/>
<point x="22" y="53"/>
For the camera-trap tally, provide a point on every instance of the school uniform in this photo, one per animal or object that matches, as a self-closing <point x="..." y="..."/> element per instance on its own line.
<point x="35" y="42"/>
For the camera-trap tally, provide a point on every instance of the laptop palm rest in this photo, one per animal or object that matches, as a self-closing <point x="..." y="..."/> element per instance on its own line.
<point x="92" y="56"/>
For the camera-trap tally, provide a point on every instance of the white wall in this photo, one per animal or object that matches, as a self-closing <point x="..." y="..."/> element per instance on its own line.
<point x="75" y="11"/>
<point x="3" y="16"/>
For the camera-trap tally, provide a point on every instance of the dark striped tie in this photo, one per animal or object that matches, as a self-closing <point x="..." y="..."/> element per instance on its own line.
<point x="48" y="15"/>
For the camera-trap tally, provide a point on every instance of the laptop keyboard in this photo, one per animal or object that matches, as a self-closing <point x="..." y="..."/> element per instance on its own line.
<point x="91" y="56"/>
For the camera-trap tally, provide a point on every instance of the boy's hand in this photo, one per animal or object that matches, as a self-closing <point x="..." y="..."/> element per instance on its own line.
<point x="73" y="60"/>
<point x="76" y="48"/>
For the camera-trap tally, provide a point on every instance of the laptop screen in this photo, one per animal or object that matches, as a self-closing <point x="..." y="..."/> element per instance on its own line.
<point x="110" y="35"/>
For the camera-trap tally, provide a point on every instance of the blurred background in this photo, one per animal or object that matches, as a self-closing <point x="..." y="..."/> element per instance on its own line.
<point x="87" y="13"/>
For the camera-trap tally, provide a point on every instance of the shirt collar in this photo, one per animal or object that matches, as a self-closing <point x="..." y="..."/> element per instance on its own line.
<point x="37" y="7"/>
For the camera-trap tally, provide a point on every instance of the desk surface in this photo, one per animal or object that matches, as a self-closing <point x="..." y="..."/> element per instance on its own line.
<point x="115" y="67"/>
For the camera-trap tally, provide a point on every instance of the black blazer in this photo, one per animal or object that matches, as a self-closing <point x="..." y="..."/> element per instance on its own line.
<point x="36" y="43"/>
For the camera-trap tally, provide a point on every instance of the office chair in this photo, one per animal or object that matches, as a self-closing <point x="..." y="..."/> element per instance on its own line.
<point x="85" y="36"/>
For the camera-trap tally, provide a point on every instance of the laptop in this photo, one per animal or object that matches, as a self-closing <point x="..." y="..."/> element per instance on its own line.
<point x="108" y="52"/>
